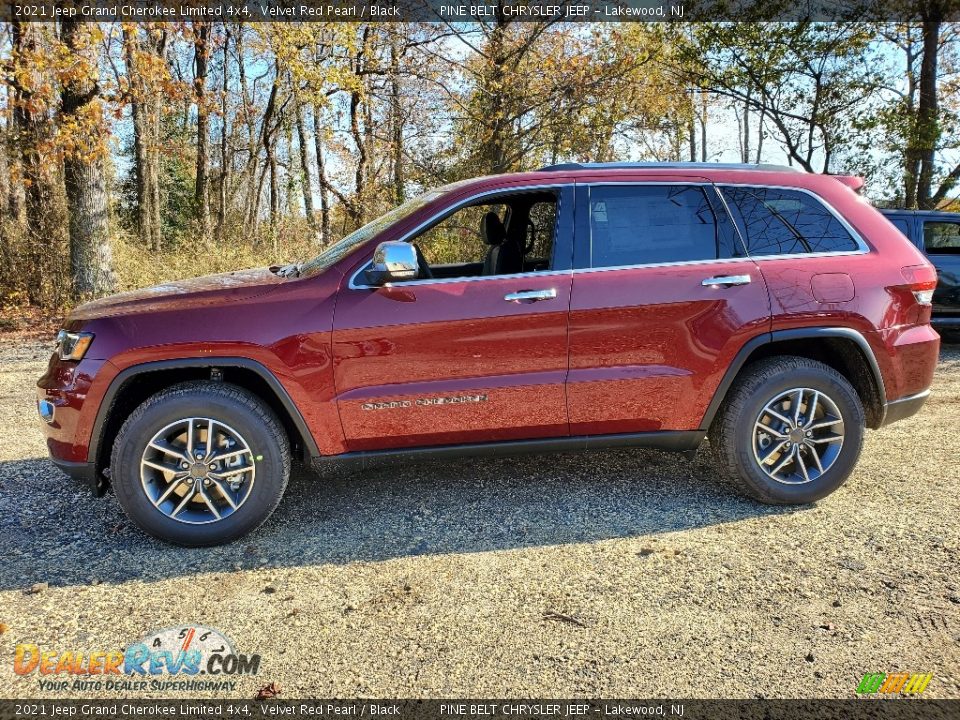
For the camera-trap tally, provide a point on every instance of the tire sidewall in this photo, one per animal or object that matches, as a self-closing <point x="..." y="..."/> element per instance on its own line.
<point x="269" y="478"/>
<point x="853" y="423"/>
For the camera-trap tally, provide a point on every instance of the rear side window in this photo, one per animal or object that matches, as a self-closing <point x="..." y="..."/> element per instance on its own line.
<point x="941" y="238"/>
<point x="785" y="222"/>
<point x="641" y="224"/>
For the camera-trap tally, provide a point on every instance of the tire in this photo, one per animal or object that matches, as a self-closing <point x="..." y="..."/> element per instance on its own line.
<point x="738" y="441"/>
<point x="251" y="455"/>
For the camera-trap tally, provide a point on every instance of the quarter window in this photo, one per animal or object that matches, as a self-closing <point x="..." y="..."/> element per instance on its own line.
<point x="641" y="224"/>
<point x="941" y="238"/>
<point x="785" y="222"/>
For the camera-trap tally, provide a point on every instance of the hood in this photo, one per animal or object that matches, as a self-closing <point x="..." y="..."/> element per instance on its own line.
<point x="183" y="294"/>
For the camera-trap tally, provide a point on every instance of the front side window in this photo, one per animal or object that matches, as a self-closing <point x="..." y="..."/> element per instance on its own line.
<point x="507" y="234"/>
<point x="650" y="224"/>
<point x="357" y="238"/>
<point x="941" y="238"/>
<point x="773" y="221"/>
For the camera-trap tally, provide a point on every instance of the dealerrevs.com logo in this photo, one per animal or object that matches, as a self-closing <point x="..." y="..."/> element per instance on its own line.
<point x="163" y="660"/>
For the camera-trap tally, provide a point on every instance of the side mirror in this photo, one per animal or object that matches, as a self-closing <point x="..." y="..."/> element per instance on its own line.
<point x="393" y="262"/>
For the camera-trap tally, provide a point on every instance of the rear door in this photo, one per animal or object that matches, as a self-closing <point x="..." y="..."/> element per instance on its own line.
<point x="663" y="298"/>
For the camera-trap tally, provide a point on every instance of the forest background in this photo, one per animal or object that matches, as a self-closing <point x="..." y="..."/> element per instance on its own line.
<point x="132" y="154"/>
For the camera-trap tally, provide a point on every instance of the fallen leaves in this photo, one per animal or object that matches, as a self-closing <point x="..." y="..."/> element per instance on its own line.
<point x="268" y="692"/>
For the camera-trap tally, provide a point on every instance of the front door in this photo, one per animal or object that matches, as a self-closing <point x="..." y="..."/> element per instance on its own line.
<point x="477" y="353"/>
<point x="662" y="300"/>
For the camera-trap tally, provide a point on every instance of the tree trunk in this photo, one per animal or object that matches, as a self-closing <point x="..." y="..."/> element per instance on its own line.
<point x="493" y="151"/>
<point x="307" y="181"/>
<point x="266" y="141"/>
<point x="928" y="126"/>
<point x="31" y="127"/>
<point x="201" y="185"/>
<point x="91" y="259"/>
<point x="321" y="178"/>
<point x="146" y="111"/>
<point x="745" y="148"/>
<point x="760" y="133"/>
<point x="703" y="127"/>
<point x="226" y="160"/>
<point x="360" y="172"/>
<point x="396" y="123"/>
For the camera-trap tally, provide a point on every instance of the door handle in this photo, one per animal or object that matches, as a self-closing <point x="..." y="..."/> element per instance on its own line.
<point x="726" y="280"/>
<point x="532" y="295"/>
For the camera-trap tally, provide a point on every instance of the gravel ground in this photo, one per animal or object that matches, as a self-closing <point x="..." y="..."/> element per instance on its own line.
<point x="613" y="574"/>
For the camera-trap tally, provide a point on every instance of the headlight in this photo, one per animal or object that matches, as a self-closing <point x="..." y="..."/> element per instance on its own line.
<point x="73" y="346"/>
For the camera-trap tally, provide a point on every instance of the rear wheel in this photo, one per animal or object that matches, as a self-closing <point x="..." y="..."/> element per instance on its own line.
<point x="790" y="431"/>
<point x="202" y="463"/>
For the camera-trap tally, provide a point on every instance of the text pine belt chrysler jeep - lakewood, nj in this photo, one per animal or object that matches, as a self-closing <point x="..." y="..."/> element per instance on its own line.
<point x="580" y="306"/>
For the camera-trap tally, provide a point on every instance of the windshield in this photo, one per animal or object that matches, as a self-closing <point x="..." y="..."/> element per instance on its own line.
<point x="351" y="242"/>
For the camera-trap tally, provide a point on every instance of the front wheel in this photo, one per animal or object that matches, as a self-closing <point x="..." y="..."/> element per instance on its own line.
<point x="202" y="463"/>
<point x="790" y="431"/>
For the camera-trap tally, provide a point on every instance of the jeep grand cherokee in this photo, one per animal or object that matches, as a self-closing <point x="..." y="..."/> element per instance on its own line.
<point x="576" y="307"/>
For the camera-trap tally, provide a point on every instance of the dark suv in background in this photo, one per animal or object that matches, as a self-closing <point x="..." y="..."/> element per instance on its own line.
<point x="938" y="235"/>
<point x="577" y="307"/>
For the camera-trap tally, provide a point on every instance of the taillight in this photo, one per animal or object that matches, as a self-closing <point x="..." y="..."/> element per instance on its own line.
<point x="921" y="281"/>
<point x="924" y="297"/>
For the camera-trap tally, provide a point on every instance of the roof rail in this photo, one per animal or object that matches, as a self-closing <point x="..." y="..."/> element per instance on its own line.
<point x="668" y="165"/>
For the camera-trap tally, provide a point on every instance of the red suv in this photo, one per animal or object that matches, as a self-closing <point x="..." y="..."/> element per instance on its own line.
<point x="576" y="307"/>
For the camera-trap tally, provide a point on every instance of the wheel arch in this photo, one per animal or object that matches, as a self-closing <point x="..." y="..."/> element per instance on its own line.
<point x="135" y="384"/>
<point x="844" y="349"/>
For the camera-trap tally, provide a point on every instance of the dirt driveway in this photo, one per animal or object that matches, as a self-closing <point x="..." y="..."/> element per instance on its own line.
<point x="614" y="574"/>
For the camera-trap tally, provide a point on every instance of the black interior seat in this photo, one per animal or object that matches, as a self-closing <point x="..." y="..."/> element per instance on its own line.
<point x="504" y="257"/>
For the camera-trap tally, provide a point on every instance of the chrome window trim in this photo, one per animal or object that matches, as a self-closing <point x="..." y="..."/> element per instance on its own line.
<point x="745" y="258"/>
<point x="863" y="248"/>
<point x="437" y="217"/>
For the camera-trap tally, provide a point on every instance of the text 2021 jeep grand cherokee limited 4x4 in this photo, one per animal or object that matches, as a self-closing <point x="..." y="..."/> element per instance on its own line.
<point x="575" y="307"/>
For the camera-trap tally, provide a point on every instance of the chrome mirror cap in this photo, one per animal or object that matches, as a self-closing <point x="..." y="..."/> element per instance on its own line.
<point x="393" y="262"/>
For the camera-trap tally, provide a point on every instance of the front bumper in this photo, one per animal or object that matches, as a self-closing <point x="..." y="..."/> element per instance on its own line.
<point x="904" y="407"/>
<point x="63" y="392"/>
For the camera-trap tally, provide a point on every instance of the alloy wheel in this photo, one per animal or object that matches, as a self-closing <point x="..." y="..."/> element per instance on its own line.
<point x="197" y="470"/>
<point x="797" y="436"/>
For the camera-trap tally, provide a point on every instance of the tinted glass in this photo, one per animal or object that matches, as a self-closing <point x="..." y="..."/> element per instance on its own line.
<point x="639" y="224"/>
<point x="941" y="238"/>
<point x="785" y="222"/>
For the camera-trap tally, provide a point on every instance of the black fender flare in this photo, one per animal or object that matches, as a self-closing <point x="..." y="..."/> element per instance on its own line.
<point x="106" y="404"/>
<point x="744" y="353"/>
